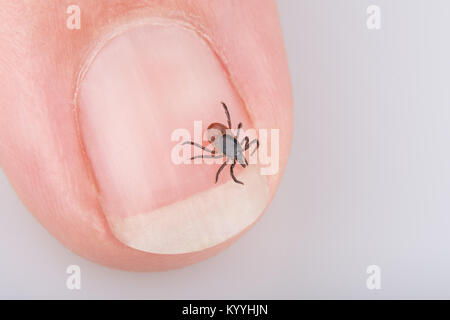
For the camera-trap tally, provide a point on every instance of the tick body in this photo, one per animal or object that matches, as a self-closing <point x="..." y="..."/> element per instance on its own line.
<point x="226" y="145"/>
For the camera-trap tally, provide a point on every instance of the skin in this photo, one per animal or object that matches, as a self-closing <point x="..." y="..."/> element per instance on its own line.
<point x="39" y="144"/>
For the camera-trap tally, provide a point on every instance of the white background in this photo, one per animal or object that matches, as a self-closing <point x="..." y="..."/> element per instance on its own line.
<point x="368" y="180"/>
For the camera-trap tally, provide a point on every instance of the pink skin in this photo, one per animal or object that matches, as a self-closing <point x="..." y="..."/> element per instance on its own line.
<point x="41" y="147"/>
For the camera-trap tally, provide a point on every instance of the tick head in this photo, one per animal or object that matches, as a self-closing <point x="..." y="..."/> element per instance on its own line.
<point x="214" y="131"/>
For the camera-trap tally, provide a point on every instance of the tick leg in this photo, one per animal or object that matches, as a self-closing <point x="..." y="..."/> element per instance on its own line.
<point x="246" y="139"/>
<point x="197" y="145"/>
<point x="207" y="156"/>
<point x="210" y="156"/>
<point x="232" y="174"/>
<point x="220" y="169"/>
<point x="227" y="114"/>
<point x="238" y="130"/>
<point x="247" y="145"/>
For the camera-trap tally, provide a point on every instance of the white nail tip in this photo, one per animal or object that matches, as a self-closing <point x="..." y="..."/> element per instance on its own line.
<point x="199" y="222"/>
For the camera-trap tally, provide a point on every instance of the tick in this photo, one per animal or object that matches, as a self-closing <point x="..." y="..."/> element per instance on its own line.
<point x="226" y="145"/>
